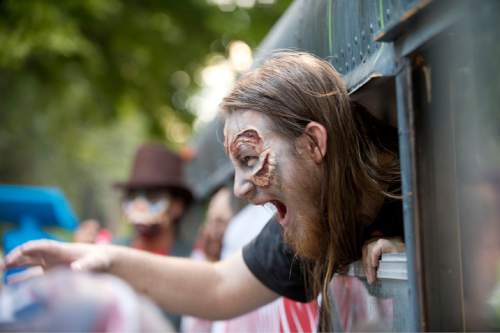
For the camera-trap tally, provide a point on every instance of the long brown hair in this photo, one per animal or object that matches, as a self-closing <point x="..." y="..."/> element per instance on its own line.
<point x="295" y="88"/>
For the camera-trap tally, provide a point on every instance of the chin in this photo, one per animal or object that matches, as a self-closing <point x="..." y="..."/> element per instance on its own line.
<point x="305" y="237"/>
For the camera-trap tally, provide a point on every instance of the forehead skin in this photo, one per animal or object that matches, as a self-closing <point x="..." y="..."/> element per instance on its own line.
<point x="241" y="121"/>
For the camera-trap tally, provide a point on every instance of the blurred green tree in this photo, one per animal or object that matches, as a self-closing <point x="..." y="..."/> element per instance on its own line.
<point x="82" y="82"/>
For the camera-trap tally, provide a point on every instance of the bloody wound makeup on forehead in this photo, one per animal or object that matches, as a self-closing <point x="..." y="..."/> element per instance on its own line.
<point x="249" y="140"/>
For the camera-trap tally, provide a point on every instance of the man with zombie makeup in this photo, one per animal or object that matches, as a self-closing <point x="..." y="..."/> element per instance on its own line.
<point x="154" y="198"/>
<point x="328" y="166"/>
<point x="297" y="142"/>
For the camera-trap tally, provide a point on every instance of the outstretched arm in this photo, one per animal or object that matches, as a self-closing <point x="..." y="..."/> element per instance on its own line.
<point x="208" y="290"/>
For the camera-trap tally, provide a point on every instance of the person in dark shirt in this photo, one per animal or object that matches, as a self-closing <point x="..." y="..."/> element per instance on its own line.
<point x="298" y="142"/>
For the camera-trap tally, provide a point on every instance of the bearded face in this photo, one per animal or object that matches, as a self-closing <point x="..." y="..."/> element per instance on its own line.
<point x="270" y="168"/>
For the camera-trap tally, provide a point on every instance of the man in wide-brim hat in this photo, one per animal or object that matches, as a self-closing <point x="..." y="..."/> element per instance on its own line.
<point x="155" y="198"/>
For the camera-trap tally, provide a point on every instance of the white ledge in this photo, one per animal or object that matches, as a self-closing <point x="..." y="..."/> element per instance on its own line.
<point x="391" y="266"/>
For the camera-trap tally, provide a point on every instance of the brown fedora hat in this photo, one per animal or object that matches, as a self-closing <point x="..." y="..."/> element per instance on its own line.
<point x="156" y="167"/>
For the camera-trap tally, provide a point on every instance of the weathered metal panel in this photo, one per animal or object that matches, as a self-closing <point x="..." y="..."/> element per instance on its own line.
<point x="343" y="32"/>
<point x="409" y="191"/>
<point x="453" y="123"/>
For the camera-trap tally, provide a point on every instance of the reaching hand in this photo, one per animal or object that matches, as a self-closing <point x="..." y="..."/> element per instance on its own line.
<point x="48" y="254"/>
<point x="373" y="250"/>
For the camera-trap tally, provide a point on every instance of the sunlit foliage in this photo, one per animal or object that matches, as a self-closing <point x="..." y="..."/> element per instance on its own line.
<point x="83" y="82"/>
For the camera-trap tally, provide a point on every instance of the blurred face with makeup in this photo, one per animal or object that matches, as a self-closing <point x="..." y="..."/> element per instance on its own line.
<point x="155" y="198"/>
<point x="150" y="210"/>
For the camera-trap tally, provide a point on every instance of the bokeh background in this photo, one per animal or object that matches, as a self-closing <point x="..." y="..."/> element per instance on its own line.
<point x="84" y="82"/>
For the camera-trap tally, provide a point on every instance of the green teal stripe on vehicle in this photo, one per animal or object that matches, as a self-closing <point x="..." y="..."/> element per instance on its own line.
<point x="330" y="27"/>
<point x="381" y="13"/>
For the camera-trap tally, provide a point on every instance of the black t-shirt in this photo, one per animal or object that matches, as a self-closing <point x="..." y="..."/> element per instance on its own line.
<point x="275" y="264"/>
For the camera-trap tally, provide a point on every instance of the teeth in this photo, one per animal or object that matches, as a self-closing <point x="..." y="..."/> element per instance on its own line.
<point x="271" y="207"/>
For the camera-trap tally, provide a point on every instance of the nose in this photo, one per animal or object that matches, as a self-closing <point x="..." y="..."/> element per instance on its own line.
<point x="243" y="187"/>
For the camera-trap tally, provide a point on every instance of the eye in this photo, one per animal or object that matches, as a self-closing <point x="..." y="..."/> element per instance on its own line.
<point x="249" y="161"/>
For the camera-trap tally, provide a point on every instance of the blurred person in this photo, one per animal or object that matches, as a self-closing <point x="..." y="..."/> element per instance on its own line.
<point x="154" y="198"/>
<point x="296" y="141"/>
<point x="153" y="201"/>
<point x="219" y="213"/>
<point x="209" y="245"/>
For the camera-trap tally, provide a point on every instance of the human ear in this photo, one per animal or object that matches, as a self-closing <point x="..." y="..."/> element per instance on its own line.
<point x="317" y="140"/>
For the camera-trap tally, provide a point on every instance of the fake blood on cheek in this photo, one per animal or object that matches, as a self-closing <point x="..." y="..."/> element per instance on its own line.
<point x="264" y="175"/>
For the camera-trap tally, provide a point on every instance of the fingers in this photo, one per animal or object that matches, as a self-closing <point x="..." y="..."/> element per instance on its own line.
<point x="376" y="252"/>
<point x="91" y="263"/>
<point x="371" y="270"/>
<point x="371" y="256"/>
<point x="32" y="253"/>
<point x="372" y="252"/>
<point x="366" y="264"/>
<point x="25" y="275"/>
<point x="83" y="265"/>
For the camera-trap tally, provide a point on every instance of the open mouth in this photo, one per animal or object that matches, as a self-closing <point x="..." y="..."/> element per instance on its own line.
<point x="281" y="207"/>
